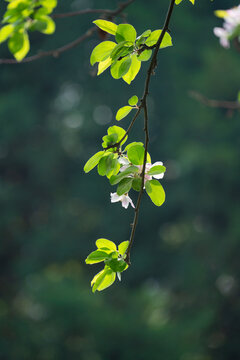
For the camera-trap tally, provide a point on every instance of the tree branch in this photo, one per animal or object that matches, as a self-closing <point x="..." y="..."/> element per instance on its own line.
<point x="145" y="109"/>
<point x="109" y="13"/>
<point x="56" y="52"/>
<point x="228" y="105"/>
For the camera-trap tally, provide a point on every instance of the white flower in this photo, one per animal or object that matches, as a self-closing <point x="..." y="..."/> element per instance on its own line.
<point x="231" y="23"/>
<point x="223" y="35"/>
<point x="148" y="168"/>
<point x="125" y="200"/>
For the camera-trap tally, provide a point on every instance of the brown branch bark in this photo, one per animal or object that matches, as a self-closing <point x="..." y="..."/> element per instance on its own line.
<point x="146" y="120"/>
<point x="108" y="12"/>
<point x="228" y="105"/>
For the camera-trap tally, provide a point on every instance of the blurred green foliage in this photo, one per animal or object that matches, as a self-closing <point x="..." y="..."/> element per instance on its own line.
<point x="180" y="299"/>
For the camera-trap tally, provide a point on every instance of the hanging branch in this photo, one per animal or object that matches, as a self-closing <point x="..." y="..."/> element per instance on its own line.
<point x="143" y="106"/>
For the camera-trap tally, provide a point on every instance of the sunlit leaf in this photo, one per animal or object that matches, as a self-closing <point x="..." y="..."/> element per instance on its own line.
<point x="93" y="161"/>
<point x="123" y="112"/>
<point x="102" y="51"/>
<point x="125" y="32"/>
<point x="155" y="191"/>
<point x="107" y="26"/>
<point x="101" y="243"/>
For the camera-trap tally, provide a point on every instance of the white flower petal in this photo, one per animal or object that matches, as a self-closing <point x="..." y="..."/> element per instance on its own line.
<point x="125" y="201"/>
<point x="115" y="197"/>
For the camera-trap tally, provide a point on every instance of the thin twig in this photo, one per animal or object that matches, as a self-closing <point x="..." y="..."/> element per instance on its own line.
<point x="144" y="107"/>
<point x="229" y="105"/>
<point x="108" y="12"/>
<point x="56" y="52"/>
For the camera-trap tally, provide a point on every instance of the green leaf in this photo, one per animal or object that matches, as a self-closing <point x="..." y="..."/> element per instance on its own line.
<point x="142" y="38"/>
<point x="103" y="65"/>
<point x="105" y="280"/>
<point x="155" y="191"/>
<point x="48" y="25"/>
<point x="122" y="49"/>
<point x="117" y="265"/>
<point x="158" y="169"/>
<point x="122" y="248"/>
<point x="132" y="144"/>
<point x="120" y="67"/>
<point x="102" y="51"/>
<point x="96" y="257"/>
<point x="153" y="38"/>
<point x="133" y="100"/>
<point x="125" y="32"/>
<point x="124" y="186"/>
<point x="50" y="4"/>
<point x="137" y="183"/>
<point x="123" y="112"/>
<point x="145" y="55"/>
<point x="106" y="26"/>
<point x="93" y="161"/>
<point x="18" y="45"/>
<point x="119" y="131"/>
<point x="109" y="140"/>
<point x="115" y="167"/>
<point x="115" y="179"/>
<point x="5" y="32"/>
<point x="135" y="154"/>
<point x="105" y="164"/>
<point x="133" y="70"/>
<point x="104" y="243"/>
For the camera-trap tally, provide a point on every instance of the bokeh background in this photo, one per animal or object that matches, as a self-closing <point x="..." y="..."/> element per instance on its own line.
<point x="180" y="298"/>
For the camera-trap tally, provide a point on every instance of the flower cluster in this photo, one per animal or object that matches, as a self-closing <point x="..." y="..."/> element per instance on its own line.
<point x="126" y="166"/>
<point x="231" y="25"/>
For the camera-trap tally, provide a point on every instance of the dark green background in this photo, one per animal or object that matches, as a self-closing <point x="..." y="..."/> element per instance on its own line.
<point x="180" y="298"/>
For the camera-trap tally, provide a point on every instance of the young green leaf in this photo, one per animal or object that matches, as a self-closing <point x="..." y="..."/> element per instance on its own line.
<point x="103" y="65"/>
<point x="5" y="32"/>
<point x="137" y="183"/>
<point x="120" y="67"/>
<point x="106" y="164"/>
<point x="145" y="55"/>
<point x="119" y="131"/>
<point x="18" y="45"/>
<point x="122" y="248"/>
<point x="106" y="26"/>
<point x="124" y="186"/>
<point x="153" y="38"/>
<point x="104" y="243"/>
<point x="115" y="179"/>
<point x="96" y="257"/>
<point x="133" y="70"/>
<point x="133" y="100"/>
<point x="158" y="169"/>
<point x="125" y="32"/>
<point x="105" y="280"/>
<point x="93" y="161"/>
<point x="102" y="51"/>
<point x="123" y="112"/>
<point x="135" y="154"/>
<point x="48" y="25"/>
<point x="155" y="191"/>
<point x="133" y="144"/>
<point x="117" y="265"/>
<point x="122" y="49"/>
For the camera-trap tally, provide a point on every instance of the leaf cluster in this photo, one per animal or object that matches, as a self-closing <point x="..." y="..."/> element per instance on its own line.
<point x="114" y="260"/>
<point x="124" y="56"/>
<point x="21" y="17"/>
